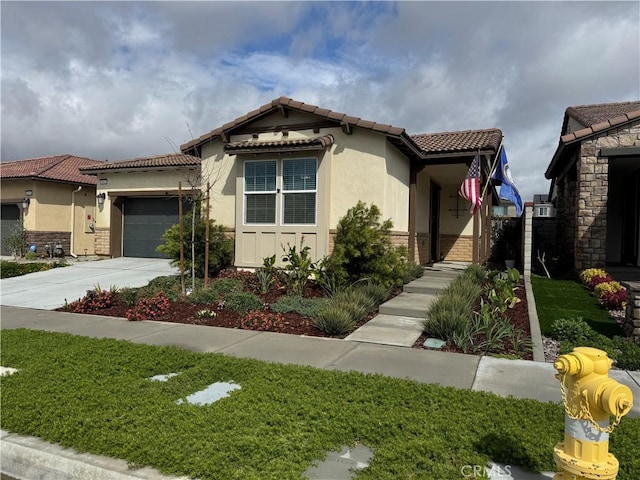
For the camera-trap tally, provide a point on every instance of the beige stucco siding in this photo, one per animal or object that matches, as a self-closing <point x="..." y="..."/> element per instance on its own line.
<point x="423" y="202"/>
<point x="358" y="173"/>
<point x="221" y="171"/>
<point x="139" y="182"/>
<point x="396" y="188"/>
<point x="450" y="223"/>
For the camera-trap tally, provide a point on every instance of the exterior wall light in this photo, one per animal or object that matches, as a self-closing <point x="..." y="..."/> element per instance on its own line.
<point x="28" y="193"/>
<point x="101" y="197"/>
<point x="25" y="203"/>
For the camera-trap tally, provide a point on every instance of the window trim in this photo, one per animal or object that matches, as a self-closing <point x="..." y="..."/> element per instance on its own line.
<point x="291" y="192"/>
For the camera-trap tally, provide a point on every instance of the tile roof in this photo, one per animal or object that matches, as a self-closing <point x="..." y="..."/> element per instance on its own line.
<point x="596" y="118"/>
<point x="158" y="161"/>
<point x="339" y="118"/>
<point x="589" y="115"/>
<point x="60" y="168"/>
<point x="455" y="142"/>
<point x="298" y="144"/>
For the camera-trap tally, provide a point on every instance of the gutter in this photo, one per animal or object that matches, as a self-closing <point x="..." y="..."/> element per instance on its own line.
<point x="73" y="220"/>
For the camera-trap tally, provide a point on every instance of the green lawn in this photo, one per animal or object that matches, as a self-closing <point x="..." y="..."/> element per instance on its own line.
<point x="557" y="299"/>
<point x="94" y="395"/>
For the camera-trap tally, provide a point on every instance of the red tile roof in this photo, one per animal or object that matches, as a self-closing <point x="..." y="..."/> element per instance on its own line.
<point x="158" y="161"/>
<point x="298" y="144"/>
<point x="268" y="108"/>
<point x="60" y="168"/>
<point x="454" y="142"/>
<point x="589" y="115"/>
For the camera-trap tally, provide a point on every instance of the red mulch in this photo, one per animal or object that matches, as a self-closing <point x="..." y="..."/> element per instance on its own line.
<point x="518" y="316"/>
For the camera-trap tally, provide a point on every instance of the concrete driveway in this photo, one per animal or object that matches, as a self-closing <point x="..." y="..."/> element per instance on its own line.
<point x="48" y="290"/>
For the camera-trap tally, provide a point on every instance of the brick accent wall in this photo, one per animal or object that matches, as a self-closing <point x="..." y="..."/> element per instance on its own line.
<point x="457" y="248"/>
<point x="102" y="241"/>
<point x="41" y="239"/>
<point x="422" y="251"/>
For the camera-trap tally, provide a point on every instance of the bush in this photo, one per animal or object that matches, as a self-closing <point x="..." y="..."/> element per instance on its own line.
<point x="587" y="275"/>
<point x="614" y="300"/>
<point x="262" y="321"/>
<point x="606" y="287"/>
<point x="17" y="241"/>
<point x="149" y="308"/>
<point x="218" y="289"/>
<point x="476" y="272"/>
<point x="379" y="293"/>
<point x="14" y="269"/>
<point x="334" y="320"/>
<point x="96" y="299"/>
<point x="128" y="296"/>
<point x="574" y="330"/>
<point x="466" y="288"/>
<point x="309" y="307"/>
<point x="447" y="315"/>
<point x="242" y="302"/>
<point x="363" y="248"/>
<point x="627" y="353"/>
<point x="595" y="281"/>
<point x="412" y="271"/>
<point x="220" y="247"/>
<point x="354" y="301"/>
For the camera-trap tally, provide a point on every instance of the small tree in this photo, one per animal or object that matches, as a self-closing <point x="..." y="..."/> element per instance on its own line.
<point x="220" y="246"/>
<point x="17" y="240"/>
<point x="363" y="248"/>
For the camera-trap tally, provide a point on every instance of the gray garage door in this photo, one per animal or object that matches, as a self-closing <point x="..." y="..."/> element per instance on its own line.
<point x="145" y="220"/>
<point x="10" y="219"/>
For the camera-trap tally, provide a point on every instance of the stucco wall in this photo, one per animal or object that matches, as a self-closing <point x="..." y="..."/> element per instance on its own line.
<point x="455" y="218"/>
<point x="396" y="188"/>
<point x="221" y="171"/>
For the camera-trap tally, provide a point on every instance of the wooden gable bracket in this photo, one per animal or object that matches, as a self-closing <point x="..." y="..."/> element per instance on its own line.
<point x="346" y="128"/>
<point x="283" y="111"/>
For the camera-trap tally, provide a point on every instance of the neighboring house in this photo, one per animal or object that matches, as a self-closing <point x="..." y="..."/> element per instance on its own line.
<point x="53" y="198"/>
<point x="542" y="206"/>
<point x="137" y="201"/>
<point x="595" y="184"/>
<point x="288" y="171"/>
<point x="504" y="209"/>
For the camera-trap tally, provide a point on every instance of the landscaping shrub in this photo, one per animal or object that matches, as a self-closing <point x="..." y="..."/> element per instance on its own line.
<point x="606" y="287"/>
<point x="587" y="275"/>
<point x="363" y="248"/>
<point x="220" y="247"/>
<point x="627" y="353"/>
<point x="476" y="272"/>
<point x="334" y="320"/>
<point x="262" y="321"/>
<point x="14" y="269"/>
<point x="309" y="307"/>
<point x="149" y="308"/>
<point x="128" y="296"/>
<point x="448" y="314"/>
<point x="574" y="330"/>
<point x="355" y="301"/>
<point x="614" y="300"/>
<point x="242" y="302"/>
<point x="218" y="289"/>
<point x="412" y="270"/>
<point x="96" y="299"/>
<point x="378" y="292"/>
<point x="17" y="240"/>
<point x="464" y="287"/>
<point x="298" y="268"/>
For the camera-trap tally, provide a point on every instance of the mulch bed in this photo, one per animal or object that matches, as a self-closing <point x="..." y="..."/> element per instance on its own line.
<point x="518" y="316"/>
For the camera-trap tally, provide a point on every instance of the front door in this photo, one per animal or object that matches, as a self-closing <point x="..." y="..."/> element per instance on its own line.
<point x="435" y="222"/>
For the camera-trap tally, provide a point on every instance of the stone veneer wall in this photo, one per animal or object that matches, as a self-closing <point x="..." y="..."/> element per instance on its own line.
<point x="41" y="239"/>
<point x="102" y="241"/>
<point x="593" y="184"/>
<point x="457" y="248"/>
<point x="566" y="213"/>
<point x="632" y="320"/>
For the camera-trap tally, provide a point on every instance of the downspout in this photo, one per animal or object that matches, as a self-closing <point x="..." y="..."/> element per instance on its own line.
<point x="73" y="219"/>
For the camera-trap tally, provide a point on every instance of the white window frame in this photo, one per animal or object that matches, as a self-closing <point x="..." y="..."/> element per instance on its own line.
<point x="279" y="193"/>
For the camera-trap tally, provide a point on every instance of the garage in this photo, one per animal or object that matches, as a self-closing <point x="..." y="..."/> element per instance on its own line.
<point x="10" y="217"/>
<point x="145" y="220"/>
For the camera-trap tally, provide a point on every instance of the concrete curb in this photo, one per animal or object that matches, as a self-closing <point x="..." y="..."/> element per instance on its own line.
<point x="534" y="322"/>
<point x="29" y="458"/>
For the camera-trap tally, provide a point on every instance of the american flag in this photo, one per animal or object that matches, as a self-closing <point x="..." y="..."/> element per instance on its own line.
<point x="470" y="188"/>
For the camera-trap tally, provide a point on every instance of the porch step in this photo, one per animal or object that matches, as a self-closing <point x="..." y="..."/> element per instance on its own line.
<point x="428" y="284"/>
<point x="413" y="305"/>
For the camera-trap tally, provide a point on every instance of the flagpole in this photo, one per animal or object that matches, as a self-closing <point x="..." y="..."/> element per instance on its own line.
<point x="495" y="161"/>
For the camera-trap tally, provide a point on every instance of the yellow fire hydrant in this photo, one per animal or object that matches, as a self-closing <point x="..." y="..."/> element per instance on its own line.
<point x="590" y="398"/>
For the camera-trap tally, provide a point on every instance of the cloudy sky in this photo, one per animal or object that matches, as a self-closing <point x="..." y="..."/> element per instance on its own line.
<point x="117" y="80"/>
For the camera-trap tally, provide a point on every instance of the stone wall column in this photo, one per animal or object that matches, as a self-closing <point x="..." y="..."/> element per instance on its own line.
<point x="632" y="317"/>
<point x="527" y="237"/>
<point x="591" y="215"/>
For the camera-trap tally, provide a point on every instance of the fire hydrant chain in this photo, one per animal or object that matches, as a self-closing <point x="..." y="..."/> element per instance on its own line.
<point x="584" y="413"/>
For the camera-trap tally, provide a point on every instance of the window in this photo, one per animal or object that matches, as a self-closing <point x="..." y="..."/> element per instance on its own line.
<point x="260" y="192"/>
<point x="298" y="179"/>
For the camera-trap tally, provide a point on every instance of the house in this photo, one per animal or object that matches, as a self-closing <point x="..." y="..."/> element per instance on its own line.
<point x="595" y="184"/>
<point x="542" y="206"/>
<point x="504" y="209"/>
<point x="288" y="171"/>
<point x="53" y="198"/>
<point x="137" y="201"/>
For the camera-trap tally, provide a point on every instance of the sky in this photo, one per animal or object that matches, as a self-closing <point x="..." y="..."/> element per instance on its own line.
<point x="120" y="80"/>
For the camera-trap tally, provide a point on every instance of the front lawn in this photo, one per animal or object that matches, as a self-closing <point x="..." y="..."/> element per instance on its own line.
<point x="556" y="299"/>
<point x="95" y="395"/>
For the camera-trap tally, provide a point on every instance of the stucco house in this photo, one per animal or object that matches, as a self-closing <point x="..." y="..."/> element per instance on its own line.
<point x="595" y="184"/>
<point x="289" y="171"/>
<point x="137" y="201"/>
<point x="53" y="198"/>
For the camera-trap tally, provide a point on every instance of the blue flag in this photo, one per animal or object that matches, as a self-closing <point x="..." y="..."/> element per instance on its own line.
<point x="508" y="189"/>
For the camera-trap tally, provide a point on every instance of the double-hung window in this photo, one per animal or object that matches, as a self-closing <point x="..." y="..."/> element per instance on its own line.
<point x="298" y="180"/>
